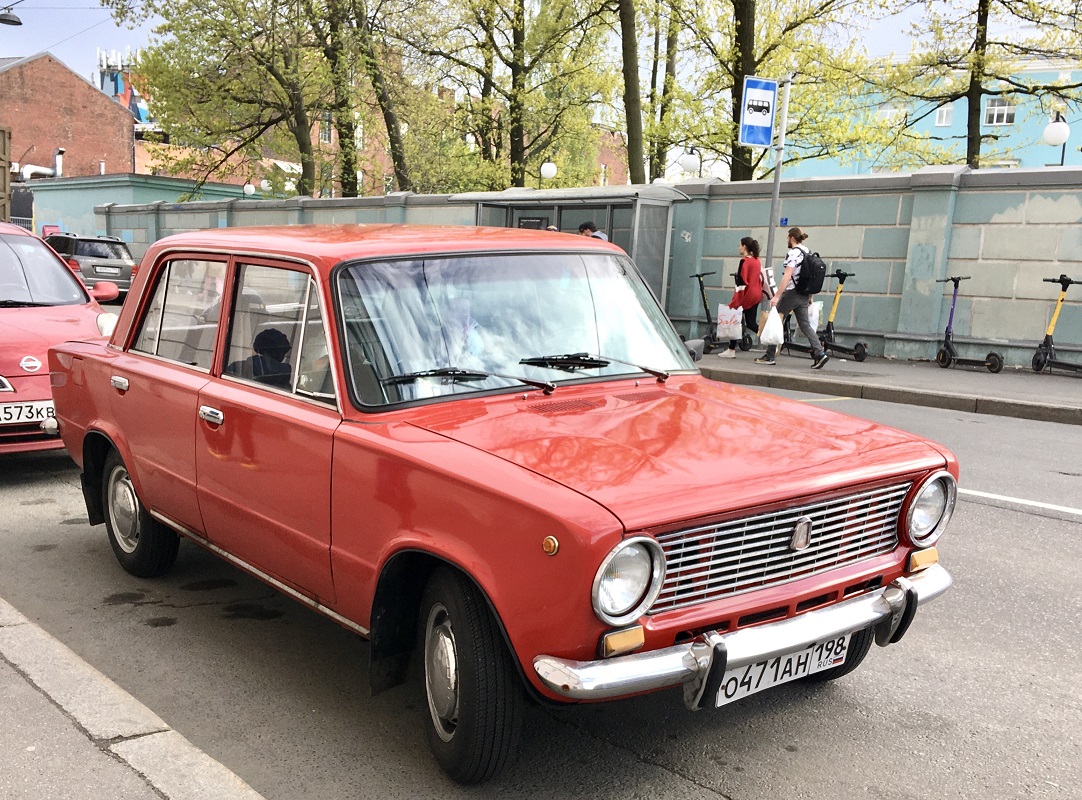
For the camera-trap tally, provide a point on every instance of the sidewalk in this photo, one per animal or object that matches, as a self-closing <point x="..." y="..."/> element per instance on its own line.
<point x="1014" y="392"/>
<point x="69" y="732"/>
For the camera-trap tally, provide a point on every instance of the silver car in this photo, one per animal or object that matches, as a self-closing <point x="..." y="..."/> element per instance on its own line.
<point x="98" y="258"/>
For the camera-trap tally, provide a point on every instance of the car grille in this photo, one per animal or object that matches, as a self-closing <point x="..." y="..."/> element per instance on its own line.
<point x="750" y="553"/>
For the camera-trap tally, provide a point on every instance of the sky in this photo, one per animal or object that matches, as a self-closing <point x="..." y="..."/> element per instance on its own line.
<point x="74" y="30"/>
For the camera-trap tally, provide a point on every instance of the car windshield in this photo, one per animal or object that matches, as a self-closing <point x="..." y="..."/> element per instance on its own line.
<point x="32" y="275"/>
<point x="451" y="325"/>
<point x="99" y="248"/>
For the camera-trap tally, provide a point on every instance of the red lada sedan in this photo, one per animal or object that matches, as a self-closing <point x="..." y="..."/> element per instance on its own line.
<point x="41" y="304"/>
<point x="488" y="449"/>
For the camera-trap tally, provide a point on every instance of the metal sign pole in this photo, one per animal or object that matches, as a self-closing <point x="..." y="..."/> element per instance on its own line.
<point x="779" y="150"/>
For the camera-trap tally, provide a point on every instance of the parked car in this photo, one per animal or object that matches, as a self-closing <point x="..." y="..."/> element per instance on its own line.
<point x="41" y="304"/>
<point x="95" y="258"/>
<point x="489" y="449"/>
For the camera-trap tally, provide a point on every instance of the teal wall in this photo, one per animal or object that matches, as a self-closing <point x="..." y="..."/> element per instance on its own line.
<point x="898" y="233"/>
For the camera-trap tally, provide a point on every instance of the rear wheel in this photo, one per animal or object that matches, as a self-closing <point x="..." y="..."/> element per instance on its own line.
<point x="859" y="645"/>
<point x="860" y="351"/>
<point x="142" y="545"/>
<point x="944" y="358"/>
<point x="472" y="692"/>
<point x="994" y="362"/>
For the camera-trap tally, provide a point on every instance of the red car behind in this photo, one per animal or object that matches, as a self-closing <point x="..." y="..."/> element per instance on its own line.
<point x="41" y="304"/>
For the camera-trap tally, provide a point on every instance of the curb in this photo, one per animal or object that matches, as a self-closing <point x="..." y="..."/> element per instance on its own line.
<point x="1041" y="412"/>
<point x="114" y="722"/>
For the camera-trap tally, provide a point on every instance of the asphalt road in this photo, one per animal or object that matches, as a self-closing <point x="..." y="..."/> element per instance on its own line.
<point x="980" y="700"/>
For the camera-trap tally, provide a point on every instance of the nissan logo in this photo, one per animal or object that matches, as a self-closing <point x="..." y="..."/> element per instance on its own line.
<point x="30" y="364"/>
<point x="801" y="537"/>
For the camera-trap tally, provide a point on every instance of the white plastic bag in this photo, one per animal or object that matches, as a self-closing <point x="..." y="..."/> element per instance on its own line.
<point x="815" y="313"/>
<point x="772" y="331"/>
<point x="729" y="327"/>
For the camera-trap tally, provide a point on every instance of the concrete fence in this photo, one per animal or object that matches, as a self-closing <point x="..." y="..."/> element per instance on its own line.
<point x="899" y="234"/>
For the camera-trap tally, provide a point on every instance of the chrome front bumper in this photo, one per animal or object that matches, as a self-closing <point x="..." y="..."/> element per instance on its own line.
<point x="889" y="610"/>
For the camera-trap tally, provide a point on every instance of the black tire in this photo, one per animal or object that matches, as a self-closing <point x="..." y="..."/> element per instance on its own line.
<point x="994" y="362"/>
<point x="943" y="357"/>
<point x="708" y="348"/>
<point x="859" y="645"/>
<point x="1039" y="361"/>
<point x="472" y="693"/>
<point x="860" y="351"/>
<point x="745" y="342"/>
<point x="142" y="545"/>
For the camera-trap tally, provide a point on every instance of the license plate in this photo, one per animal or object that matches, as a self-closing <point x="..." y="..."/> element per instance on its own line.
<point x="744" y="681"/>
<point x="107" y="270"/>
<point x="21" y="413"/>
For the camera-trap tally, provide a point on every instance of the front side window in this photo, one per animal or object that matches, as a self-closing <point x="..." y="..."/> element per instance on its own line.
<point x="999" y="111"/>
<point x="446" y="326"/>
<point x="181" y="323"/>
<point x="32" y="275"/>
<point x="276" y="333"/>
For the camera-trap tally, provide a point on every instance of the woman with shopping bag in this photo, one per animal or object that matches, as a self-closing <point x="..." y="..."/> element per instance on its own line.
<point x="749" y="291"/>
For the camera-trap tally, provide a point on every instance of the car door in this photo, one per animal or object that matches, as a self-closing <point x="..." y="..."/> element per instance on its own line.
<point x="266" y="429"/>
<point x="156" y="382"/>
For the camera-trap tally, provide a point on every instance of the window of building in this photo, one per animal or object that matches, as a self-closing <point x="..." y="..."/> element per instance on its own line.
<point x="325" y="128"/>
<point x="999" y="111"/>
<point x="944" y="115"/>
<point x="891" y="113"/>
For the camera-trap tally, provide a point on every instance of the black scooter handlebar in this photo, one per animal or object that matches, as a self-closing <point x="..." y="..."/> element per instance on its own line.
<point x="1062" y="280"/>
<point x="954" y="278"/>
<point x="700" y="274"/>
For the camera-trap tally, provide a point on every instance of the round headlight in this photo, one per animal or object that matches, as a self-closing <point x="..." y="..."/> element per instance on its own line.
<point x="628" y="580"/>
<point x="931" y="509"/>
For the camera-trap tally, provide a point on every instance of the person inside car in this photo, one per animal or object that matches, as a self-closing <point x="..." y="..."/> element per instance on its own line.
<point x="268" y="363"/>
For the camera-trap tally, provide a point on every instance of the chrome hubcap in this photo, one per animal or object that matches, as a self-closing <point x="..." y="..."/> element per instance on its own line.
<point x="123" y="510"/>
<point x="441" y="672"/>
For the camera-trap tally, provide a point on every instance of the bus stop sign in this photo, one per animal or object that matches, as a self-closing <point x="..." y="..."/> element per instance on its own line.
<point x="757" y="111"/>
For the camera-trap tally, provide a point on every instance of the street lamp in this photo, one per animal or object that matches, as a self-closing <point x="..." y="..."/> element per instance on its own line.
<point x="8" y="17"/>
<point x="692" y="159"/>
<point x="548" y="172"/>
<point x="1056" y="134"/>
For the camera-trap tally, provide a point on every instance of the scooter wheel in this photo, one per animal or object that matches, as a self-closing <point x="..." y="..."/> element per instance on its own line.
<point x="1040" y="361"/>
<point x="860" y="352"/>
<point x="994" y="362"/>
<point x="745" y="343"/>
<point x="943" y="358"/>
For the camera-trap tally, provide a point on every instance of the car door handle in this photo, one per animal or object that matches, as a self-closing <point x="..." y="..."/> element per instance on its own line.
<point x="119" y="383"/>
<point x="211" y="415"/>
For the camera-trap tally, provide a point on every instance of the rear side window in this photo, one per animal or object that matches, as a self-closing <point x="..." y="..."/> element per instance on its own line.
<point x="181" y="323"/>
<point x="61" y="244"/>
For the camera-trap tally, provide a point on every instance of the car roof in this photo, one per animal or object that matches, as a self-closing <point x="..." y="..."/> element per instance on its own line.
<point x="10" y="228"/>
<point x="69" y="235"/>
<point x="328" y="245"/>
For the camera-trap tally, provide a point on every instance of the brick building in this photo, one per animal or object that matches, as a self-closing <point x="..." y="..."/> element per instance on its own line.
<point x="47" y="106"/>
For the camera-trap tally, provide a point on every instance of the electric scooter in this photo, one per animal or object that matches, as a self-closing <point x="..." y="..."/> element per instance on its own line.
<point x="947" y="355"/>
<point x="711" y="341"/>
<point x="1046" y="350"/>
<point x="859" y="351"/>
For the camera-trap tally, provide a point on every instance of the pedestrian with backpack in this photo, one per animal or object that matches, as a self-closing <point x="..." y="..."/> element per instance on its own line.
<point x="802" y="279"/>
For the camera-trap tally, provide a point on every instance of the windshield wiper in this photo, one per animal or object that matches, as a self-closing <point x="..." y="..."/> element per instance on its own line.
<point x="569" y="362"/>
<point x="21" y="304"/>
<point x="457" y="374"/>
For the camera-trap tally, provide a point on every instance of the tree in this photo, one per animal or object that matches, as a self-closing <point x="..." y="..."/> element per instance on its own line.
<point x="629" y="47"/>
<point x="977" y="49"/>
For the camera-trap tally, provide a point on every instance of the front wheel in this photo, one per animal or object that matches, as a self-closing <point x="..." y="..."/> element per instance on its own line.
<point x="142" y="545"/>
<point x="745" y="342"/>
<point x="859" y="645"/>
<point x="943" y="358"/>
<point x="472" y="692"/>
<point x="860" y="351"/>
<point x="994" y="362"/>
<point x="1039" y="361"/>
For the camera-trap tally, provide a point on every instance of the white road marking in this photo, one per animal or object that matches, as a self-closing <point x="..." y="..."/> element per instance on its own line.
<point x="1018" y="501"/>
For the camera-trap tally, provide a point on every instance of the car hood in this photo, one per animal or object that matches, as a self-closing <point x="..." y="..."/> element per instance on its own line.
<point x="30" y="332"/>
<point x="657" y="454"/>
